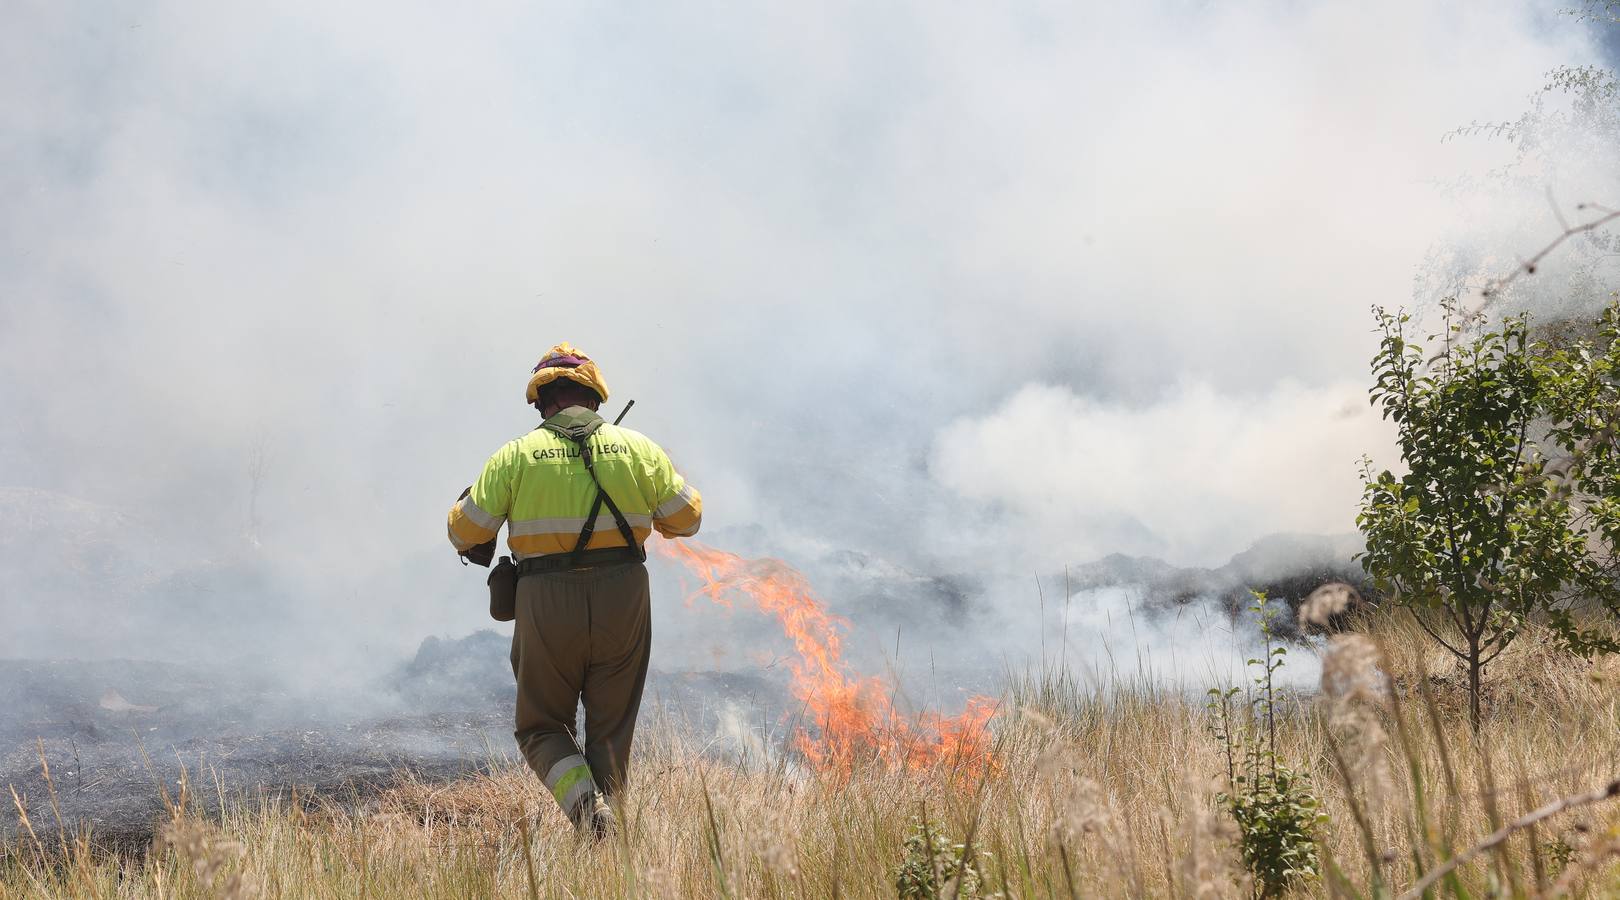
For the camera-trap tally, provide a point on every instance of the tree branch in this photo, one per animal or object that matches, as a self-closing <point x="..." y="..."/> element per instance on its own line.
<point x="1499" y="647"/>
<point x="1457" y="619"/>
<point x="1425" y="625"/>
<point x="1529" y="266"/>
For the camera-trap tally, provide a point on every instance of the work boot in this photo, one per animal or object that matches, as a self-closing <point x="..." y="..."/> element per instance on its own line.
<point x="604" y="824"/>
<point x="594" y="819"/>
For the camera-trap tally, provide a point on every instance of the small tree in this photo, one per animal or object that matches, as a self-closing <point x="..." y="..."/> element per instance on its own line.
<point x="1477" y="538"/>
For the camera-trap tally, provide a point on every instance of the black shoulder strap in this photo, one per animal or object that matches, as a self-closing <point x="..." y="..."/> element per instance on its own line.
<point x="582" y="439"/>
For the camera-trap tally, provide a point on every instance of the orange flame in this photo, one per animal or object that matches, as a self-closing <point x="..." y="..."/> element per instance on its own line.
<point x="853" y="716"/>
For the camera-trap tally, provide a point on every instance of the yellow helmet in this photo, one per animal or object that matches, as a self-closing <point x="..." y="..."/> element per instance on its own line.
<point x="565" y="361"/>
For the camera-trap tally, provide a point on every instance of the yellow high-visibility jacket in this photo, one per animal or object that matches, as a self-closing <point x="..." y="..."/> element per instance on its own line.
<point x="538" y="486"/>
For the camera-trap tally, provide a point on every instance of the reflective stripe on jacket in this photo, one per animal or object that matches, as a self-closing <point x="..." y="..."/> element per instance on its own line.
<point x="538" y="486"/>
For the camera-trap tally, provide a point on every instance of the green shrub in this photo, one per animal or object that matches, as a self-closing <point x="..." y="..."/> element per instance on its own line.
<point x="1276" y="812"/>
<point x="934" y="864"/>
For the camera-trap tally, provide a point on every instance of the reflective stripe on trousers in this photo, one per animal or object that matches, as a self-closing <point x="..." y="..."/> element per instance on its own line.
<point x="570" y="782"/>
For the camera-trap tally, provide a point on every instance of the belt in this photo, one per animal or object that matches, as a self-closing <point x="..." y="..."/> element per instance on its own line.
<point x="587" y="559"/>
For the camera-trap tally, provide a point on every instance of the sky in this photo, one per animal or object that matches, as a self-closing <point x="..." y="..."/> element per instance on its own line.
<point x="971" y="288"/>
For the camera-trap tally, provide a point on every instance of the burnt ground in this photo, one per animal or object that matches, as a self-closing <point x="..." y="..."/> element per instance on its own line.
<point x="118" y="733"/>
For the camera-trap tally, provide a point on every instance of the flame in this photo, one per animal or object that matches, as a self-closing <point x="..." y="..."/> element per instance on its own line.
<point x="852" y="718"/>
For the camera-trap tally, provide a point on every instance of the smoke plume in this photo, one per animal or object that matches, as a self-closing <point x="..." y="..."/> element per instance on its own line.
<point x="971" y="292"/>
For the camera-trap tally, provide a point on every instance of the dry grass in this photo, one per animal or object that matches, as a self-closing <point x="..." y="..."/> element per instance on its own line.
<point x="1098" y="794"/>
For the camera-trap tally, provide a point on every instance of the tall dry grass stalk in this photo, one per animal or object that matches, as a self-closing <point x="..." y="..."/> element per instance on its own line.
<point x="1101" y="792"/>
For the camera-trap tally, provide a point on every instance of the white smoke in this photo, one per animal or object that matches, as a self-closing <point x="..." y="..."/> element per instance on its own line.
<point x="1191" y="478"/>
<point x="297" y="258"/>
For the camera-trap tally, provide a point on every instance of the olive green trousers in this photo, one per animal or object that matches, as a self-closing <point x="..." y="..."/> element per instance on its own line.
<point x="581" y="637"/>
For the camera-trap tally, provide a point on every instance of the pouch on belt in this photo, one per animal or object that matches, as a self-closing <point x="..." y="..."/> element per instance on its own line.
<point x="502" y="581"/>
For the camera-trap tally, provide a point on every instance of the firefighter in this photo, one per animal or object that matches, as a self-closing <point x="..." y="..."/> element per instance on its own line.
<point x="579" y="498"/>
